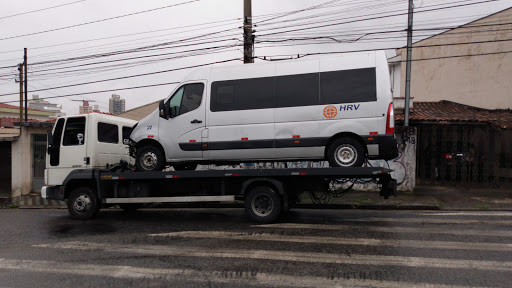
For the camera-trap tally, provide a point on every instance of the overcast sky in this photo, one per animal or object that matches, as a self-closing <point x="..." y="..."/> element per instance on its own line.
<point x="213" y="16"/>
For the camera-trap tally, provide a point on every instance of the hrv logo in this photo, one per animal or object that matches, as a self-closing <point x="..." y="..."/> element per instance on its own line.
<point x="331" y="111"/>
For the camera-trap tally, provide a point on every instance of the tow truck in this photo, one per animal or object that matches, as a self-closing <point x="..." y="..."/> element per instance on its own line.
<point x="89" y="166"/>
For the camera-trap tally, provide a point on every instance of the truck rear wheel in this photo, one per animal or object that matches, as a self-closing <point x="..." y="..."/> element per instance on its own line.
<point x="263" y="204"/>
<point x="345" y="152"/>
<point x="83" y="203"/>
<point x="149" y="158"/>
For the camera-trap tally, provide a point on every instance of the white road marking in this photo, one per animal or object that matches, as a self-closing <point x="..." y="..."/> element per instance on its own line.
<point x="469" y="213"/>
<point x="420" y="220"/>
<point x="307" y="257"/>
<point x="226" y="277"/>
<point x="340" y="227"/>
<point x="341" y="241"/>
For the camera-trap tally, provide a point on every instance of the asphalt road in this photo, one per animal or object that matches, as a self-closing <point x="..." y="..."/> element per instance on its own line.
<point x="221" y="248"/>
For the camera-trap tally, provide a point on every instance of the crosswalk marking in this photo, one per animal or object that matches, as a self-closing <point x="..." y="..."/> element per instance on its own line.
<point x="222" y="277"/>
<point x="340" y="227"/>
<point x="341" y="241"/>
<point x="307" y="257"/>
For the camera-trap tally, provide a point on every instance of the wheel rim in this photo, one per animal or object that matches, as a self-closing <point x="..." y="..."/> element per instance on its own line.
<point x="149" y="160"/>
<point x="262" y="205"/>
<point x="82" y="203"/>
<point x="345" y="155"/>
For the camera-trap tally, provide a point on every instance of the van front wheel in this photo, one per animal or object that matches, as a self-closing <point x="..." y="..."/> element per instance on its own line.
<point x="345" y="152"/>
<point x="149" y="158"/>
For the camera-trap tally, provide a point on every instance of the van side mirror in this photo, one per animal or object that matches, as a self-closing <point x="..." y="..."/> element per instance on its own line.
<point x="50" y="142"/>
<point x="164" y="113"/>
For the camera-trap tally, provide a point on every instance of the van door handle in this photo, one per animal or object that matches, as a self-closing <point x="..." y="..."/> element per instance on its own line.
<point x="195" y="121"/>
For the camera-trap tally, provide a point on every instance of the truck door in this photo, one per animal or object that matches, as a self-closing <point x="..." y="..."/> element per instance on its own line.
<point x="68" y="151"/>
<point x="181" y="134"/>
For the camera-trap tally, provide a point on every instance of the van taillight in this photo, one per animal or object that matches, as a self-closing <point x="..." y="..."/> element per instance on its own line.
<point x="390" y="122"/>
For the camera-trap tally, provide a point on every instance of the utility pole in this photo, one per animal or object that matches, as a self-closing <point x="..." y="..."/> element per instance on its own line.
<point x="26" y="92"/>
<point x="20" y="68"/>
<point x="408" y="65"/>
<point x="248" y="37"/>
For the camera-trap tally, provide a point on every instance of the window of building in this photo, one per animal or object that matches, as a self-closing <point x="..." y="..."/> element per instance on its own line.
<point x="74" y="133"/>
<point x="297" y="90"/>
<point x="348" y="86"/>
<point x="108" y="133"/>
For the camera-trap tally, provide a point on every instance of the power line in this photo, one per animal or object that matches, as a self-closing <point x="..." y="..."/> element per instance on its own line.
<point x="43" y="9"/>
<point x="98" y="21"/>
<point x="100" y="91"/>
<point x="130" y="76"/>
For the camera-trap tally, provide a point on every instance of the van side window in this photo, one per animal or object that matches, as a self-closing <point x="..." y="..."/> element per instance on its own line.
<point x="187" y="98"/>
<point x="57" y="136"/>
<point x="74" y="133"/>
<point x="108" y="133"/>
<point x="348" y="86"/>
<point x="244" y="94"/>
<point x="297" y="90"/>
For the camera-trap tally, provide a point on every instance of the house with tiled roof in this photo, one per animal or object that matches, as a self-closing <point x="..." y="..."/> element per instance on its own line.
<point x="461" y="102"/>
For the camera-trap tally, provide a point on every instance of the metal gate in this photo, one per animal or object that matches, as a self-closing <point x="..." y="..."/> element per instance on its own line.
<point x="39" y="161"/>
<point x="466" y="154"/>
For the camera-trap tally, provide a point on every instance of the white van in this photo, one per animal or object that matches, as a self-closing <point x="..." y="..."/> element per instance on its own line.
<point x="337" y="109"/>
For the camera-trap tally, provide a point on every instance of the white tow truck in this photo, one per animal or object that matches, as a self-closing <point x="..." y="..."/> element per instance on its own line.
<point x="89" y="166"/>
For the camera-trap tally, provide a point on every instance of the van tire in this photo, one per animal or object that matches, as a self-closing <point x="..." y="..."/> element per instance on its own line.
<point x="83" y="203"/>
<point x="263" y="204"/>
<point x="346" y="152"/>
<point x="149" y="158"/>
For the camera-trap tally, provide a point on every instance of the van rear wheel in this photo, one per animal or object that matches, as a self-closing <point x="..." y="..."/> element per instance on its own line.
<point x="149" y="158"/>
<point x="345" y="152"/>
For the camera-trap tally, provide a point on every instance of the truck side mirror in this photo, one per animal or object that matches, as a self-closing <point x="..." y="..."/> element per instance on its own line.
<point x="50" y="142"/>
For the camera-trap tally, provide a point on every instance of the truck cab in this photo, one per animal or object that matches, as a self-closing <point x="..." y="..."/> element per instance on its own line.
<point x="88" y="141"/>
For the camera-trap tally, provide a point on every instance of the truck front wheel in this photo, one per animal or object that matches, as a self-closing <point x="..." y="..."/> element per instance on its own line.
<point x="263" y="204"/>
<point x="149" y="158"/>
<point x="82" y="203"/>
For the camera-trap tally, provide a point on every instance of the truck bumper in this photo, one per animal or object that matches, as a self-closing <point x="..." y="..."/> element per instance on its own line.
<point x="388" y="146"/>
<point x="52" y="192"/>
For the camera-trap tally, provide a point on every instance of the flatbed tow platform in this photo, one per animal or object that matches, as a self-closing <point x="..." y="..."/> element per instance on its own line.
<point x="267" y="193"/>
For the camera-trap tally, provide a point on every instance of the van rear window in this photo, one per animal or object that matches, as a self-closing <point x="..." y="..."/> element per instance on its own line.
<point x="348" y="86"/>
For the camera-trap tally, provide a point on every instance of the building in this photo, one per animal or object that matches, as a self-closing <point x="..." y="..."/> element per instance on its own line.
<point x="43" y="105"/>
<point x="462" y="101"/>
<point x="86" y="108"/>
<point x="140" y="112"/>
<point x="116" y="105"/>
<point x="443" y="70"/>
<point x="12" y="111"/>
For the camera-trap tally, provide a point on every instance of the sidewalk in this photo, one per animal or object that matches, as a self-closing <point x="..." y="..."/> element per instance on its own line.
<point x="423" y="198"/>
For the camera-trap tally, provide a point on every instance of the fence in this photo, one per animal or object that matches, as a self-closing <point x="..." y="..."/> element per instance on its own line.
<point x="464" y="154"/>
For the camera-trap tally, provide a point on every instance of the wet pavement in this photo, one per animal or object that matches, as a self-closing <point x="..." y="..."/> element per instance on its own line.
<point x="222" y="248"/>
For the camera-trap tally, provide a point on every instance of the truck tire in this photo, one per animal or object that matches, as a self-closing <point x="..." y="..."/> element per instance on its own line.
<point x="149" y="158"/>
<point x="83" y="203"/>
<point x="263" y="204"/>
<point x="345" y="152"/>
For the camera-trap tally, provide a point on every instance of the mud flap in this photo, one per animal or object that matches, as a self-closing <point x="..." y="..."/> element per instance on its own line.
<point x="388" y="187"/>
